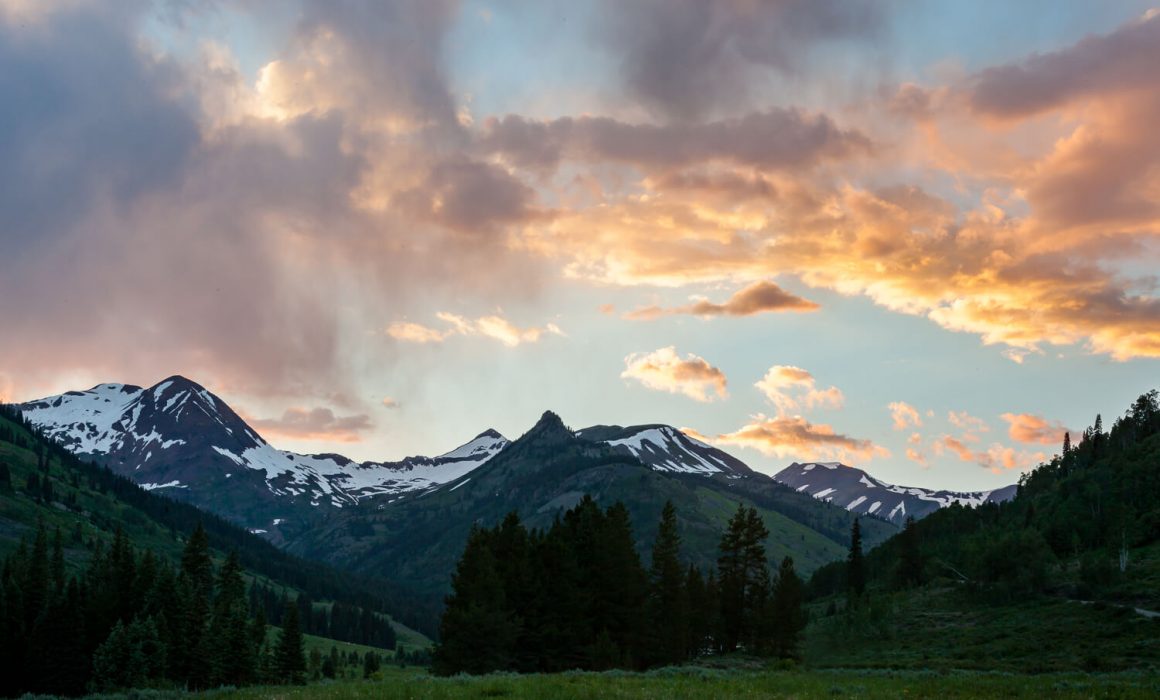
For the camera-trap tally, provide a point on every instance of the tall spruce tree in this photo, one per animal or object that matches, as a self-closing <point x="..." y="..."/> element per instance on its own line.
<point x="855" y="564"/>
<point x="194" y="664"/>
<point x="476" y="635"/>
<point x="231" y="648"/>
<point x="741" y="565"/>
<point x="668" y="604"/>
<point x="909" y="571"/>
<point x="290" y="652"/>
<point x="788" y="615"/>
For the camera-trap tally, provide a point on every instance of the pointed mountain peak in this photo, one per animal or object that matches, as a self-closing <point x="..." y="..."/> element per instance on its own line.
<point x="549" y="427"/>
<point x="490" y="433"/>
<point x="177" y="382"/>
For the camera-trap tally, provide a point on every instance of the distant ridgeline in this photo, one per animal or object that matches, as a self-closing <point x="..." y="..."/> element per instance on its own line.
<point x="576" y="596"/>
<point x="107" y="586"/>
<point x="1071" y="529"/>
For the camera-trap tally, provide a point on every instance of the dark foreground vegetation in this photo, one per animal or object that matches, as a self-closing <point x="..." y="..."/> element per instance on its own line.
<point x="105" y="586"/>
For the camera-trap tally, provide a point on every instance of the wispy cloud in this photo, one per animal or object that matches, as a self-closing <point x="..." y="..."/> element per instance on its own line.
<point x="800" y="439"/>
<point x="317" y="423"/>
<point x="1033" y="429"/>
<point x="903" y="415"/>
<point x="759" y="297"/>
<point x="494" y="327"/>
<point x="792" y="389"/>
<point x="665" y="370"/>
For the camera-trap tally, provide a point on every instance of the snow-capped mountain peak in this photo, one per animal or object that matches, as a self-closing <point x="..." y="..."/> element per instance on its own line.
<point x="857" y="491"/>
<point x="665" y="448"/>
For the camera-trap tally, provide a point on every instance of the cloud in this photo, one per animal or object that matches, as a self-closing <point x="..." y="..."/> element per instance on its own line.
<point x="389" y="402"/>
<point x="494" y="327"/>
<point x="1029" y="428"/>
<point x="687" y="58"/>
<point x="1125" y="59"/>
<point x="665" y="370"/>
<point x="470" y="197"/>
<point x="793" y="389"/>
<point x="801" y="440"/>
<point x="996" y="458"/>
<point x="759" y="297"/>
<point x="774" y="139"/>
<point x="313" y="424"/>
<point x="903" y="415"/>
<point x="968" y="423"/>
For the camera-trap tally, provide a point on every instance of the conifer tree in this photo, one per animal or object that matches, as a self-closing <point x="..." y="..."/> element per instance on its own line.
<point x="668" y="603"/>
<point x="855" y="564"/>
<point x="909" y="571"/>
<point x="196" y="589"/>
<point x="789" y="617"/>
<point x="289" y="654"/>
<point x="230" y="642"/>
<point x="476" y="635"/>
<point x="741" y="564"/>
<point x="5" y="478"/>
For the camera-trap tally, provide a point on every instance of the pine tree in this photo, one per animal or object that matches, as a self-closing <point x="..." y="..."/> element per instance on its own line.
<point x="289" y="654"/>
<point x="476" y="634"/>
<point x="789" y="618"/>
<point x="5" y="478"/>
<point x="195" y="585"/>
<point x="855" y="564"/>
<point x="230" y="642"/>
<point x="909" y="571"/>
<point x="668" y="603"/>
<point x="741" y="564"/>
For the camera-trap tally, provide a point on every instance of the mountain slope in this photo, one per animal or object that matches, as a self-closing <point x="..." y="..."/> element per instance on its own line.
<point x="858" y="492"/>
<point x="179" y="437"/>
<point x="49" y="486"/>
<point x="419" y="537"/>
<point x="664" y="448"/>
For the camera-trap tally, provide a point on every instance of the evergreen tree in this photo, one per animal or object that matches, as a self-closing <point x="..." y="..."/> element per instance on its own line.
<point x="5" y="478"/>
<point x="477" y="635"/>
<point x="371" y="664"/>
<point x="909" y="571"/>
<point x="855" y="564"/>
<point x="194" y="664"/>
<point x="741" y="564"/>
<point x="231" y="649"/>
<point x="668" y="603"/>
<point x="289" y="654"/>
<point x="789" y="617"/>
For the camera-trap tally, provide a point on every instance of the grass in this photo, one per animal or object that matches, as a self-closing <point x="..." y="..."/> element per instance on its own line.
<point x="699" y="682"/>
<point x="944" y="628"/>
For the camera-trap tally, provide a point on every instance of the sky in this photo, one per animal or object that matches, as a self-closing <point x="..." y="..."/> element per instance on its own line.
<point x="916" y="237"/>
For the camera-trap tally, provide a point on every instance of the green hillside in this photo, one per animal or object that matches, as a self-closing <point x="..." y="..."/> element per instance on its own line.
<point x="99" y="525"/>
<point x="419" y="539"/>
<point x="1065" y="576"/>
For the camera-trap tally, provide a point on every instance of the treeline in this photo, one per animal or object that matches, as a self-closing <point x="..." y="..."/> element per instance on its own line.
<point x="1085" y="510"/>
<point x="255" y="554"/>
<point x="131" y="620"/>
<point x="339" y="621"/>
<point x="577" y="596"/>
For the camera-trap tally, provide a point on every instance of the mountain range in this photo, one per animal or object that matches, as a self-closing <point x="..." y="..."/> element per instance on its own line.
<point x="410" y="518"/>
<point x="858" y="492"/>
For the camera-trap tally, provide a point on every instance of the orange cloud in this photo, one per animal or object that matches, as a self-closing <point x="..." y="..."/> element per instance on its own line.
<point x="903" y="415"/>
<point x="793" y="388"/>
<point x="996" y="458"/>
<point x="665" y="370"/>
<point x="760" y="297"/>
<point x="968" y="423"/>
<point x="313" y="424"/>
<point x="494" y="327"/>
<point x="799" y="439"/>
<point x="1029" y="428"/>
